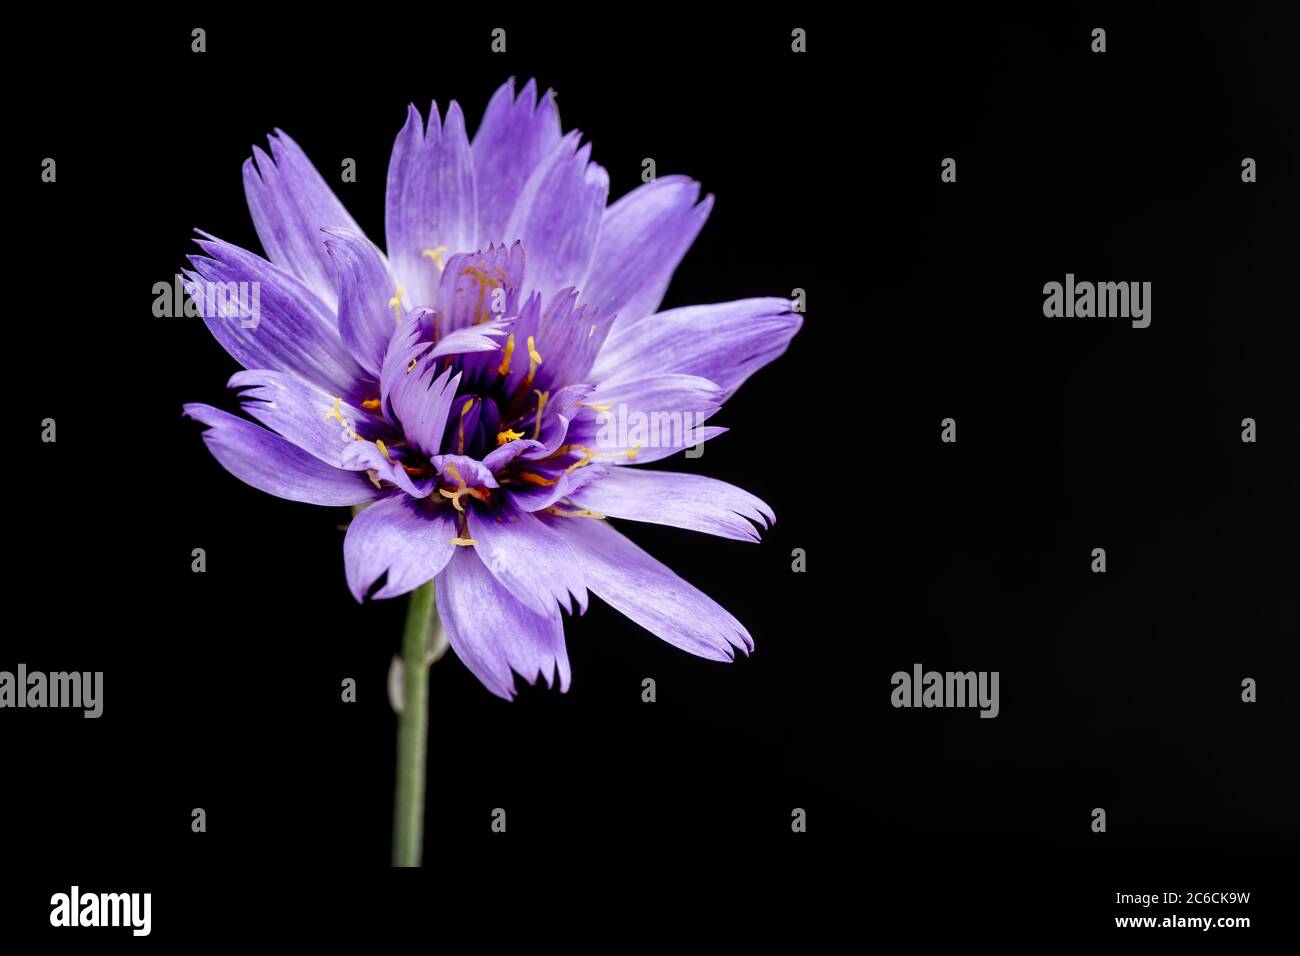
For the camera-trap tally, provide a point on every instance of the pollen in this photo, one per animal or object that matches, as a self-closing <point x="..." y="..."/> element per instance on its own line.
<point x="370" y="404"/>
<point x="508" y="436"/>
<point x="435" y="254"/>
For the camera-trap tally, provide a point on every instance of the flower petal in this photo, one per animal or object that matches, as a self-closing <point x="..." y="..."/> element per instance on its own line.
<point x="399" y="535"/>
<point x="644" y="420"/>
<point x="527" y="557"/>
<point x="643" y="238"/>
<point x="290" y="204"/>
<point x="431" y="199"/>
<point x="648" y="592"/>
<point x="493" y="633"/>
<point x="275" y="465"/>
<point x="725" y="343"/>
<point x="365" y="287"/>
<point x="422" y="403"/>
<point x="537" y="497"/>
<point x="292" y="330"/>
<point x="695" y="502"/>
<point x="478" y="286"/>
<point x="305" y="415"/>
<point x="558" y="216"/>
<point x="515" y="135"/>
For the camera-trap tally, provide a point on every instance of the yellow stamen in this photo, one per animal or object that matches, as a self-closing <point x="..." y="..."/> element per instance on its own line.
<point x="383" y="450"/>
<point x="631" y="452"/>
<point x="372" y="475"/>
<point x="336" y="412"/>
<point x="435" y="254"/>
<point x="460" y="445"/>
<point x="595" y="408"/>
<point x="584" y="513"/>
<point x="464" y="542"/>
<point x="410" y="366"/>
<point x="454" y="496"/>
<point x="586" y="460"/>
<point x="370" y="404"/>
<point x="508" y="436"/>
<point x="535" y="479"/>
<point x="541" y="403"/>
<point x="395" y="303"/>
<point x="484" y="282"/>
<point x="534" y="360"/>
<point x="504" y="369"/>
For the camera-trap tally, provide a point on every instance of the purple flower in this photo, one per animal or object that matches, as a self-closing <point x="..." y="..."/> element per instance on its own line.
<point x="491" y="385"/>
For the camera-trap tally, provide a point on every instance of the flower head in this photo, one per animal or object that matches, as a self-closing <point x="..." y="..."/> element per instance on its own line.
<point x="490" y="387"/>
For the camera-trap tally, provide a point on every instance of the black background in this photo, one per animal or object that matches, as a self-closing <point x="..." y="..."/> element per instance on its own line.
<point x="1122" y="691"/>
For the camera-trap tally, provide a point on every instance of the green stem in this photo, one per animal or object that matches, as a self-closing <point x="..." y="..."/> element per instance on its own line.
<point x="413" y="727"/>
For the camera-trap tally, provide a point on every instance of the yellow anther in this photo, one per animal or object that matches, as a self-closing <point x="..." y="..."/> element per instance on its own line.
<point x="541" y="403"/>
<point x="508" y="435"/>
<point x="370" y="404"/>
<point x="395" y="303"/>
<point x="464" y="542"/>
<point x="435" y="254"/>
<point x="535" y="479"/>
<point x="410" y="366"/>
<point x="504" y="368"/>
<point x="372" y="475"/>
<point x="584" y="513"/>
<point x="595" y="408"/>
<point x="586" y="460"/>
<point x="383" y="450"/>
<point x="336" y="412"/>
<point x="460" y="445"/>
<point x="484" y="282"/>
<point x="454" y="496"/>
<point x="631" y="452"/>
<point x="534" y="360"/>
